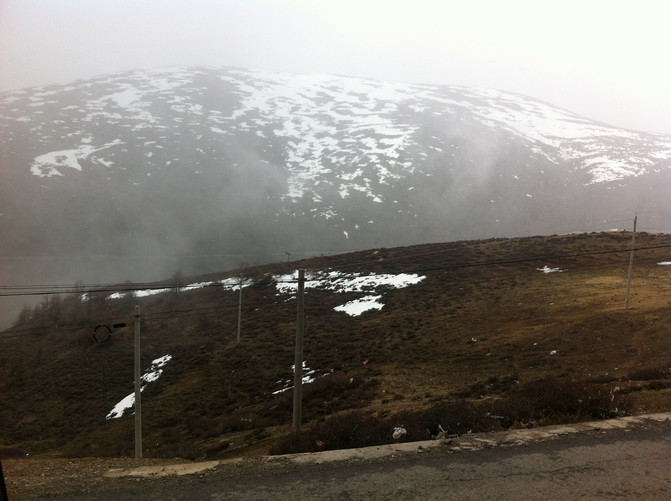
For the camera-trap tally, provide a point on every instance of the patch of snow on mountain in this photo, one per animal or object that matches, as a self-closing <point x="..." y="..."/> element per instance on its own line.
<point x="341" y="282"/>
<point x="232" y="284"/>
<point x="152" y="374"/>
<point x="358" y="306"/>
<point x="125" y="98"/>
<point x="149" y="292"/>
<point x="546" y="269"/>
<point x="308" y="111"/>
<point x="567" y="136"/>
<point x="309" y="376"/>
<point x="605" y="169"/>
<point x="47" y="164"/>
<point x="155" y="370"/>
<point x="351" y="282"/>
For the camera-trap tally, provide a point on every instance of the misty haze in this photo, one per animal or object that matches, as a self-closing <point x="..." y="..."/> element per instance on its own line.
<point x="140" y="175"/>
<point x="477" y="192"/>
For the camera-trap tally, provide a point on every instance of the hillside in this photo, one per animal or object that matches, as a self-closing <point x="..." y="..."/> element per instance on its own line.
<point x="472" y="320"/>
<point x="137" y="175"/>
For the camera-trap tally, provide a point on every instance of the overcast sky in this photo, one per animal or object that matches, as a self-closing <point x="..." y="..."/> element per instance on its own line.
<point x="607" y="60"/>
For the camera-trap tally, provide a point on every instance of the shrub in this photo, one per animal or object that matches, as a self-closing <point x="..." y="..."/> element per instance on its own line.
<point x="325" y="396"/>
<point x="454" y="417"/>
<point x="649" y="373"/>
<point x="556" y="400"/>
<point x="545" y="401"/>
<point x="11" y="452"/>
<point x="342" y="431"/>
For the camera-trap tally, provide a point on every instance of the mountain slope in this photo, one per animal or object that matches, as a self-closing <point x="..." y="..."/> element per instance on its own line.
<point x="138" y="175"/>
<point x="473" y="319"/>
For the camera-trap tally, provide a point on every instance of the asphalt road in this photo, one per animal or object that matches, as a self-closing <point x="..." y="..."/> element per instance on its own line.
<point x="598" y="462"/>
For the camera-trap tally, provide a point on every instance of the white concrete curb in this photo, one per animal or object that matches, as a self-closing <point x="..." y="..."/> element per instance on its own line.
<point x="469" y="442"/>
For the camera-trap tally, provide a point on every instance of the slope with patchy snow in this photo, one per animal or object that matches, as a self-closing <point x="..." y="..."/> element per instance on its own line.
<point x="349" y="133"/>
<point x="202" y="169"/>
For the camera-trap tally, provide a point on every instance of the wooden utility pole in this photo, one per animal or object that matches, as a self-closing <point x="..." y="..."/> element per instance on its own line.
<point x="138" y="389"/>
<point x="631" y="264"/>
<point x="298" y="357"/>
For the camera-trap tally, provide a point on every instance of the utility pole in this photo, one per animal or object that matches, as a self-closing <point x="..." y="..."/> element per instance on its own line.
<point x="138" y="389"/>
<point x="298" y="357"/>
<point x="239" y="309"/>
<point x="631" y="264"/>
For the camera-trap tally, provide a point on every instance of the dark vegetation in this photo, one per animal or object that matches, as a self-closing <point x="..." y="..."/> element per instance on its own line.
<point x="485" y="342"/>
<point x="551" y="401"/>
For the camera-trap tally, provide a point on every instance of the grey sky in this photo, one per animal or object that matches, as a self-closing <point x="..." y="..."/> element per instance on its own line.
<point x="606" y="60"/>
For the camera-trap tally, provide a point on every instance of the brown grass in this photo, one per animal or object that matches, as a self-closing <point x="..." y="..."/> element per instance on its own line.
<point x="472" y="334"/>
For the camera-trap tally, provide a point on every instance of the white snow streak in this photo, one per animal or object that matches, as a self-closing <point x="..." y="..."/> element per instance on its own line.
<point x="153" y="373"/>
<point x="546" y="269"/>
<point x="351" y="282"/>
<point x="47" y="165"/>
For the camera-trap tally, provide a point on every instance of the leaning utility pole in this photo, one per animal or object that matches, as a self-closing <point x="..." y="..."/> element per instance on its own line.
<point x="298" y="357"/>
<point x="138" y="389"/>
<point x="631" y="264"/>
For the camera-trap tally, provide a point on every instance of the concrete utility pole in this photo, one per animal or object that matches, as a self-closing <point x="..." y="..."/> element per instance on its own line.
<point x="239" y="309"/>
<point x="298" y="358"/>
<point x="631" y="264"/>
<point x="138" y="389"/>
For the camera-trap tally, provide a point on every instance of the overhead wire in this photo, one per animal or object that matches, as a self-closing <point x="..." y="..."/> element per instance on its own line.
<point x="40" y="290"/>
<point x="25" y="290"/>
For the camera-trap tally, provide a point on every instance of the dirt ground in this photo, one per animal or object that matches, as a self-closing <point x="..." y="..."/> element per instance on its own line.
<point x="30" y="478"/>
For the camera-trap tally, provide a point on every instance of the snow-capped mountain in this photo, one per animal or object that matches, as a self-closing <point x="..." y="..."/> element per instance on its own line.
<point x="201" y="169"/>
<point x="328" y="122"/>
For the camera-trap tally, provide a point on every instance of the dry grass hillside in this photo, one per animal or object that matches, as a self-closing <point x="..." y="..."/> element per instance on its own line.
<point x="486" y="329"/>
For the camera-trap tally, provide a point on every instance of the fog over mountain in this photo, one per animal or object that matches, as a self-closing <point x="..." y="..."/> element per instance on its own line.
<point x="135" y="176"/>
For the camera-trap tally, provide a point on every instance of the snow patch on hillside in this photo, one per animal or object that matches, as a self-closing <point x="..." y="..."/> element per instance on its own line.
<point x="329" y="122"/>
<point x="232" y="284"/>
<point x="547" y="269"/>
<point x="308" y="376"/>
<point x="358" y="306"/>
<point x="152" y="374"/>
<point x="372" y="285"/>
<point x="48" y="164"/>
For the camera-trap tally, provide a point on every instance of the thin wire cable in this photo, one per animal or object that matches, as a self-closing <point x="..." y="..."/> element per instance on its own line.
<point x="232" y="308"/>
<point x="28" y="290"/>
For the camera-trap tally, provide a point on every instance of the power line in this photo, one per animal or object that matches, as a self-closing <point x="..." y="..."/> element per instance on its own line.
<point x="193" y="312"/>
<point x="37" y="290"/>
<point x="87" y="324"/>
<point x="495" y="262"/>
<point x="61" y="289"/>
<point x="41" y="290"/>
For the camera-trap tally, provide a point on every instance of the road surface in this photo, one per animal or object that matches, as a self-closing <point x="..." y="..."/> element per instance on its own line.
<point x="618" y="459"/>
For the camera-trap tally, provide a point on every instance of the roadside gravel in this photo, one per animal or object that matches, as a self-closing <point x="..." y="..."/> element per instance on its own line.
<point x="83" y="478"/>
